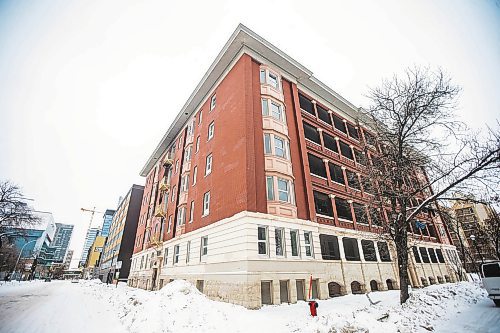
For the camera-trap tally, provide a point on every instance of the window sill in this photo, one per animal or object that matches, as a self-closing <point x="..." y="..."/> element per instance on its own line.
<point x="205" y="215"/>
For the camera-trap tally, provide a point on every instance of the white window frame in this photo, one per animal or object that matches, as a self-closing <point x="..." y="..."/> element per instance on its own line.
<point x="206" y="203"/>
<point x="211" y="130"/>
<point x="177" y="253"/>
<point x="288" y="192"/>
<point x="200" y="116"/>
<point x="195" y="175"/>
<point x="283" y="246"/>
<point x="213" y="102"/>
<point x="188" y="250"/>
<point x="197" y="149"/>
<point x="270" y="195"/>
<point x="187" y="155"/>
<point x="169" y="226"/>
<point x="264" y="241"/>
<point x="181" y="216"/>
<point x="283" y="148"/>
<point x="279" y="107"/>
<point x="208" y="164"/>
<point x="173" y="193"/>
<point x="165" y="260"/>
<point x="203" y="248"/>
<point x="185" y="183"/>
<point x="191" y="211"/>
<point x="297" y="235"/>
<point x="308" y="245"/>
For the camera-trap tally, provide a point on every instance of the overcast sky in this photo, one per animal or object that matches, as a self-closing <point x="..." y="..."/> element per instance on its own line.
<point x="88" y="88"/>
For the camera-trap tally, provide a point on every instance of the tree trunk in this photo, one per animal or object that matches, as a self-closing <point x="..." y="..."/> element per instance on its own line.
<point x="401" y="240"/>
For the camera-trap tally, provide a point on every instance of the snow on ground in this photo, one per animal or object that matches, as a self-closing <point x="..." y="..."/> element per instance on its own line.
<point x="179" y="307"/>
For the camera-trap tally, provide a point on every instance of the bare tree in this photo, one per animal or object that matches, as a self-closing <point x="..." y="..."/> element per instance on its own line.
<point x="421" y="153"/>
<point x="15" y="214"/>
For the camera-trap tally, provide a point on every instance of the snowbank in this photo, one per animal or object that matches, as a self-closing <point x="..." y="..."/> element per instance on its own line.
<point x="180" y="307"/>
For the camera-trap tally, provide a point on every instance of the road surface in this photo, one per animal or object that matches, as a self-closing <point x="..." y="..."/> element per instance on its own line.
<point x="57" y="306"/>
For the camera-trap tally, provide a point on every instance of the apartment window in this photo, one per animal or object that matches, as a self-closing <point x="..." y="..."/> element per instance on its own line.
<point x="424" y="255"/>
<point x="270" y="187"/>
<point x="383" y="251"/>
<point x="262" y="76"/>
<point x="343" y="209"/>
<point x="204" y="247"/>
<point x="306" y="105"/>
<point x="173" y="194"/>
<point x="329" y="247"/>
<point x="360" y="213"/>
<point x="375" y="217"/>
<point x="294" y="242"/>
<point x="351" y="250"/>
<point x="353" y="131"/>
<point x="211" y="130"/>
<point x="339" y="124"/>
<point x="206" y="203"/>
<point x="345" y="150"/>
<point x="316" y="166"/>
<point x="279" y="236"/>
<point x="208" y="165"/>
<point x="176" y="254"/>
<point x="330" y="142"/>
<point x="336" y="173"/>
<point x="323" y="204"/>
<point x="200" y="116"/>
<point x="416" y="255"/>
<point x="353" y="180"/>
<point x="267" y="144"/>
<point x="360" y="157"/>
<point x="188" y="250"/>
<point x="272" y="80"/>
<point x="190" y="128"/>
<point x="368" y="250"/>
<point x="176" y="166"/>
<point x="323" y="114"/>
<point x="195" y="174"/>
<point x="308" y="243"/>
<point x="181" y="216"/>
<point x="262" y="240"/>
<point x="283" y="190"/>
<point x="213" y="102"/>
<point x="191" y="212"/>
<point x="265" y="106"/>
<point x="439" y="254"/>
<point x="279" y="147"/>
<point x="169" y="227"/>
<point x="311" y="133"/>
<point x="184" y="183"/>
<point x="276" y="111"/>
<point x="370" y="139"/>
<point x="432" y="255"/>
<point x="198" y="144"/>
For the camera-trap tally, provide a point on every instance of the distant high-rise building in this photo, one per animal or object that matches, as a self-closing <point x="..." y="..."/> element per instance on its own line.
<point x="108" y="218"/>
<point x="61" y="240"/>
<point x="67" y="259"/>
<point x="92" y="233"/>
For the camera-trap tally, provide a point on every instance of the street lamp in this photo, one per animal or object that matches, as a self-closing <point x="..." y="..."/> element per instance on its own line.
<point x="21" y="252"/>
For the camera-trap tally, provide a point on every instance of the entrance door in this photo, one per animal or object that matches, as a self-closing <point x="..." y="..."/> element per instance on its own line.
<point x="300" y="290"/>
<point x="284" y="298"/>
<point x="265" y="292"/>
<point x="315" y="289"/>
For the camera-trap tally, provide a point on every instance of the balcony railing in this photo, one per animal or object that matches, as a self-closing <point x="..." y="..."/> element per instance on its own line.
<point x="164" y="185"/>
<point x="160" y="211"/>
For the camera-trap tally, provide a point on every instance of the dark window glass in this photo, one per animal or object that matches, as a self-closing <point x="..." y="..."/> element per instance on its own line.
<point x="416" y="255"/>
<point x="346" y="150"/>
<point x="316" y="166"/>
<point x="353" y="180"/>
<point x="383" y="251"/>
<point x="360" y="213"/>
<point x="491" y="270"/>
<point x="339" y="124"/>
<point x="311" y="133"/>
<point x="323" y="204"/>
<point x="424" y="255"/>
<point x="432" y="230"/>
<point x="323" y="114"/>
<point x="368" y="250"/>
<point x="351" y="250"/>
<point x="360" y="157"/>
<point x="376" y="217"/>
<point x="439" y="254"/>
<point x="353" y="131"/>
<point x="432" y="255"/>
<point x="329" y="247"/>
<point x="336" y="173"/>
<point x="330" y="142"/>
<point x="343" y="209"/>
<point x="370" y="139"/>
<point x="306" y="104"/>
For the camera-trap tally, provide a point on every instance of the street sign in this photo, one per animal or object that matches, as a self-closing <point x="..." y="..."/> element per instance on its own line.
<point x="119" y="264"/>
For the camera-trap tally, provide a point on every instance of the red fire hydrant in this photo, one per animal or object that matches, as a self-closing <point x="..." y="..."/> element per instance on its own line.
<point x="313" y="305"/>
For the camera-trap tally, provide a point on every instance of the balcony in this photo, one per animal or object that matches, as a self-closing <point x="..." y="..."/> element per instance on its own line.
<point x="160" y="211"/>
<point x="164" y="185"/>
<point x="168" y="161"/>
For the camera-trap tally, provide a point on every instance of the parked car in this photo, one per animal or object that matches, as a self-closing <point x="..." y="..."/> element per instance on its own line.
<point x="491" y="280"/>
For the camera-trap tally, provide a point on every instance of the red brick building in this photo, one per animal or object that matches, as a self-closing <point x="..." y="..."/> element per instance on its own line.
<point x="257" y="187"/>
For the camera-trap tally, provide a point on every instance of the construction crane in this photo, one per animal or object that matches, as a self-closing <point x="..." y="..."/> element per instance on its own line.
<point x="93" y="211"/>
